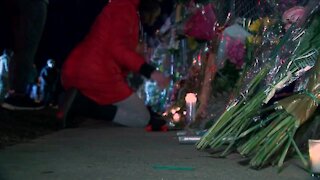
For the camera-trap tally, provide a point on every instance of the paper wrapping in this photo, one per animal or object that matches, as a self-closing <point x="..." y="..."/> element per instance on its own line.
<point x="303" y="105"/>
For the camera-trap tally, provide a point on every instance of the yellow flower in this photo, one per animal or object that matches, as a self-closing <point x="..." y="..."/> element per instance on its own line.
<point x="254" y="40"/>
<point x="192" y="43"/>
<point x="250" y="39"/>
<point x="267" y="21"/>
<point x="257" y="40"/>
<point x="255" y="26"/>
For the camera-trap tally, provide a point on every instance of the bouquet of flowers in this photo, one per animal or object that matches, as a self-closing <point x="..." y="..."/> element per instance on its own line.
<point x="274" y="135"/>
<point x="239" y="116"/>
<point x="221" y="130"/>
<point x="200" y="23"/>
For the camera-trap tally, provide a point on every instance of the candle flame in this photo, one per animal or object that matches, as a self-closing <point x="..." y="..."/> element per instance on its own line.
<point x="176" y="117"/>
<point x="314" y="152"/>
<point x="191" y="98"/>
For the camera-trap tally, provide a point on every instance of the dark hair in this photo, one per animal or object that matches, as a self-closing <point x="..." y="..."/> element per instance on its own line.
<point x="149" y="6"/>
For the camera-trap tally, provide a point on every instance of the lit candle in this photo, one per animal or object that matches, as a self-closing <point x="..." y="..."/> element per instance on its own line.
<point x="173" y="111"/>
<point x="176" y="117"/>
<point x="191" y="101"/>
<point x="178" y="109"/>
<point x="314" y="153"/>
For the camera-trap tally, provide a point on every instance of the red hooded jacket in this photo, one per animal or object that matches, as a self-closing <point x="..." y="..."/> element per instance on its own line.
<point x="99" y="64"/>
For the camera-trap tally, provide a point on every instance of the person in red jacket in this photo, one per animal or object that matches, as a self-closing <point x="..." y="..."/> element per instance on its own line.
<point x="94" y="73"/>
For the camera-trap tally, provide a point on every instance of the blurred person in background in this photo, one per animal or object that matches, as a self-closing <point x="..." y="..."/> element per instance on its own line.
<point x="94" y="74"/>
<point x="26" y="20"/>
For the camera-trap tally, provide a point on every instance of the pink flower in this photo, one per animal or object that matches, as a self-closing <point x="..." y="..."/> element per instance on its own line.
<point x="292" y="15"/>
<point x="235" y="52"/>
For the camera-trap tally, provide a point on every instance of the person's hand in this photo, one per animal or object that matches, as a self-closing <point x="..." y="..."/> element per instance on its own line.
<point x="161" y="79"/>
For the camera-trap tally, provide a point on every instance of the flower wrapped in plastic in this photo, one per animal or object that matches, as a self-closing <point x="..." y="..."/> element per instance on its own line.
<point x="201" y="23"/>
<point x="248" y="42"/>
<point x="232" y="49"/>
<point x="232" y="45"/>
<point x="253" y="74"/>
<point x="274" y="137"/>
<point x="274" y="74"/>
<point x="228" y="42"/>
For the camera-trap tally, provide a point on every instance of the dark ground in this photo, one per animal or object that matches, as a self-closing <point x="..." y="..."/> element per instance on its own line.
<point x="97" y="151"/>
<point x="22" y="126"/>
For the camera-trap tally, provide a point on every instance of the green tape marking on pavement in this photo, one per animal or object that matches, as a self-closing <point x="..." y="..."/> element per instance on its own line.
<point x="176" y="168"/>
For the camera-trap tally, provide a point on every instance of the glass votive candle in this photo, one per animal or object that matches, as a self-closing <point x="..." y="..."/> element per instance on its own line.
<point x="191" y="100"/>
<point x="314" y="154"/>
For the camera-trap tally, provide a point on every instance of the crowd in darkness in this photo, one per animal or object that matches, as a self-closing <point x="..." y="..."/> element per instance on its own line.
<point x="67" y="23"/>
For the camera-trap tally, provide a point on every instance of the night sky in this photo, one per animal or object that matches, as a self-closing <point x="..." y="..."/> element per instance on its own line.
<point x="67" y="24"/>
<point x="68" y="21"/>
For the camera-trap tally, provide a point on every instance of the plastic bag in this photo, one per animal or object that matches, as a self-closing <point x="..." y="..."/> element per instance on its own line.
<point x="231" y="36"/>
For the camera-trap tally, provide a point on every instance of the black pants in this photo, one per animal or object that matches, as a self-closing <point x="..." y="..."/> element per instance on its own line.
<point x="85" y="107"/>
<point x="82" y="106"/>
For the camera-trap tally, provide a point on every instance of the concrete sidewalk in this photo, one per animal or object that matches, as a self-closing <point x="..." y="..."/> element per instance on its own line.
<point x="99" y="151"/>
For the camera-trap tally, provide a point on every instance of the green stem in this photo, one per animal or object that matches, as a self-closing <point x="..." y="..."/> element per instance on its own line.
<point x="284" y="153"/>
<point x="304" y="161"/>
<point x="234" y="140"/>
<point x="259" y="125"/>
<point x="258" y="139"/>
